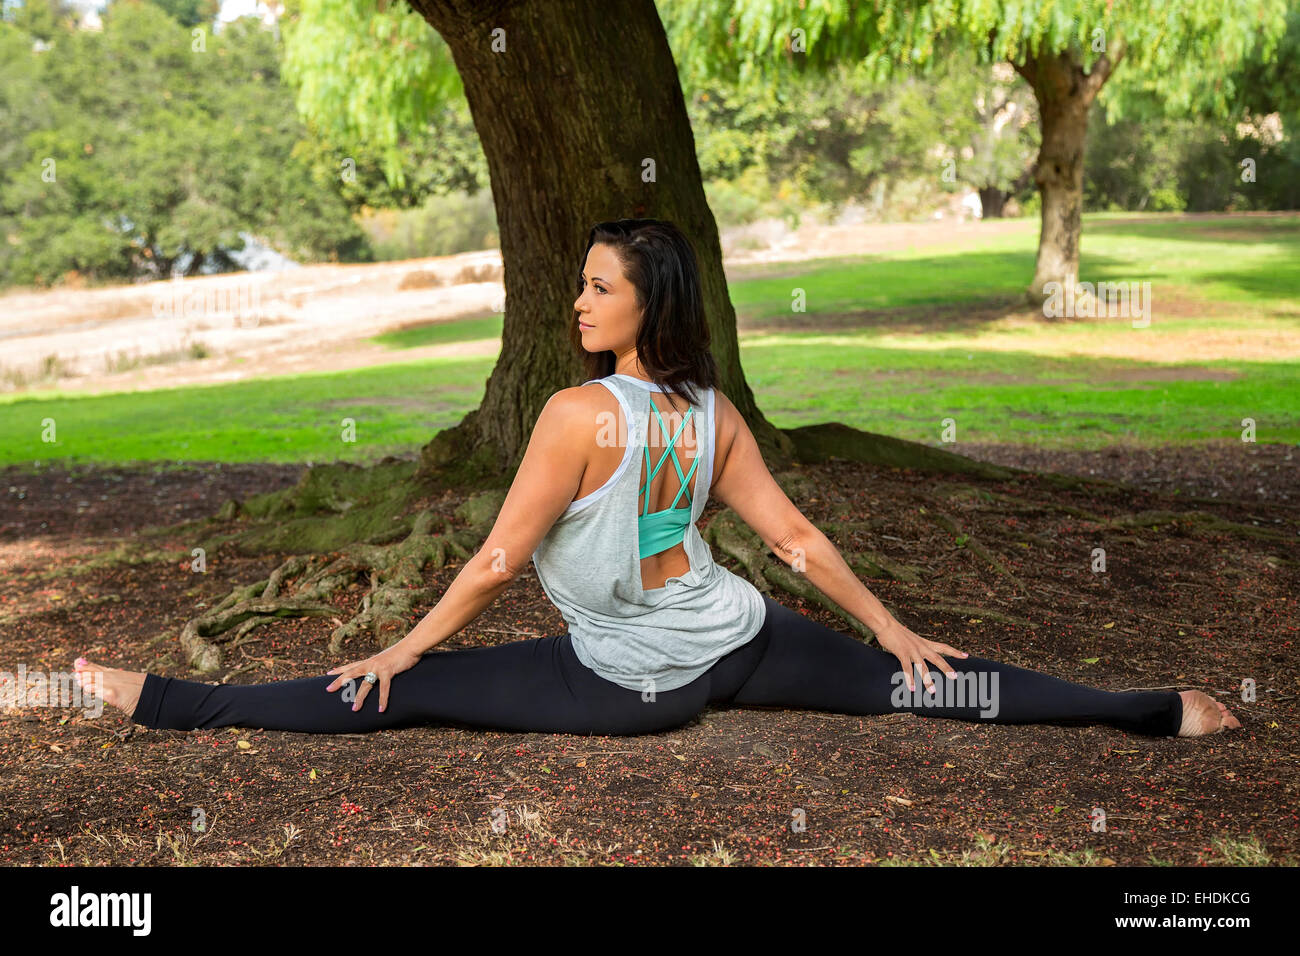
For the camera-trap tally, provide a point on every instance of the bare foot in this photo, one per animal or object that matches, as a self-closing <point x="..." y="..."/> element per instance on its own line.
<point x="1202" y="714"/>
<point x="119" y="688"/>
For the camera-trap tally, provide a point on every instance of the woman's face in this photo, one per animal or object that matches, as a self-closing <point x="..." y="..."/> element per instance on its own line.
<point x="608" y="315"/>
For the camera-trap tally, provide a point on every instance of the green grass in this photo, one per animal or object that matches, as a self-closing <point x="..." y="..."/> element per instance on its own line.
<point x="394" y="408"/>
<point x="1254" y="261"/>
<point x="1050" y="402"/>
<point x="910" y="339"/>
<point x="443" y="333"/>
<point x="879" y="282"/>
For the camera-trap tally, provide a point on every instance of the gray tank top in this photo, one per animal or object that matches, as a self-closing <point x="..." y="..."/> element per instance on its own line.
<point x="589" y="564"/>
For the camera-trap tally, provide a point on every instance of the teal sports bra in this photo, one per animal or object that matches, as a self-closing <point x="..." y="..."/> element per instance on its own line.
<point x="663" y="529"/>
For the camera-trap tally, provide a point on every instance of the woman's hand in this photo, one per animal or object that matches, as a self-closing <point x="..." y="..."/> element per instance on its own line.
<point x="385" y="665"/>
<point x="913" y="651"/>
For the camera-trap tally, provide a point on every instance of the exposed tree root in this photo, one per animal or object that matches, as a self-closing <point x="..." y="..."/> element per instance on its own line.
<point x="816" y="443"/>
<point x="1153" y="519"/>
<point x="868" y="563"/>
<point x="968" y="541"/>
<point x="976" y="612"/>
<point x="394" y="573"/>
<point x="731" y="536"/>
<point x="1018" y="504"/>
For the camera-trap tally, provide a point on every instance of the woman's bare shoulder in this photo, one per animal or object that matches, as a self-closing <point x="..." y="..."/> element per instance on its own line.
<point x="572" y="408"/>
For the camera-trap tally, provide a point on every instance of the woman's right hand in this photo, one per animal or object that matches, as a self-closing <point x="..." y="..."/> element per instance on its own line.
<point x="385" y="665"/>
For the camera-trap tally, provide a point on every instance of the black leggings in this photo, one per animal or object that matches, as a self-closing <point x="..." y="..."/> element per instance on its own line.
<point x="540" y="685"/>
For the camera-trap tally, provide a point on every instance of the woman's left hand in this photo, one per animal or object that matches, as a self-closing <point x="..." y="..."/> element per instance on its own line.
<point x="913" y="651"/>
<point x="385" y="665"/>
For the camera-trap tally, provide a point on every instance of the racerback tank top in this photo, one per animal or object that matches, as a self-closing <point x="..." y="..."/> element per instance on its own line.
<point x="589" y="562"/>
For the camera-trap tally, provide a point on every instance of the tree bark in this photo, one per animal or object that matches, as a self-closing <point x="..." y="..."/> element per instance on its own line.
<point x="992" y="199"/>
<point x="569" y="113"/>
<point x="1065" y="94"/>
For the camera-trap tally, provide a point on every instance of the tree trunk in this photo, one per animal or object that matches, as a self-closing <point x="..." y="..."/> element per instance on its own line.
<point x="1065" y="93"/>
<point x="569" y="113"/>
<point x="992" y="199"/>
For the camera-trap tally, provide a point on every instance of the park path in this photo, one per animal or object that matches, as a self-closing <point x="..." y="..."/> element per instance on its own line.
<point x="318" y="317"/>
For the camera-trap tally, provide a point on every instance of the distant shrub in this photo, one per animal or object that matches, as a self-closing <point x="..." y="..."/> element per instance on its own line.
<point x="443" y="226"/>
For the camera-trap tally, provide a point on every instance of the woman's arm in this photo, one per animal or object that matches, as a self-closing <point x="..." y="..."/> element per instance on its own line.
<point x="746" y="487"/>
<point x="546" y="482"/>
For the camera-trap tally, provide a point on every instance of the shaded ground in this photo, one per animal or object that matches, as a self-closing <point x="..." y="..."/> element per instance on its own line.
<point x="1181" y="605"/>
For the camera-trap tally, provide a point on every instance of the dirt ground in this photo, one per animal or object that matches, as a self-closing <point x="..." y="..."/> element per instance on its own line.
<point x="1183" y="606"/>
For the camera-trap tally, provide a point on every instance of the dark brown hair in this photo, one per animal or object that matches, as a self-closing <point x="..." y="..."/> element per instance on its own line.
<point x="672" y="341"/>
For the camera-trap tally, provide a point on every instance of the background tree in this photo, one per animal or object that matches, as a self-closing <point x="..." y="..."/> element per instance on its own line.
<point x="1067" y="50"/>
<point x="40" y="19"/>
<point x="840" y="135"/>
<point x="128" y="152"/>
<point x="190" y="13"/>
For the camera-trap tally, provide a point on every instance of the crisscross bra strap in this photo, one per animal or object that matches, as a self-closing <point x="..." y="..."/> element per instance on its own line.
<point x="672" y="450"/>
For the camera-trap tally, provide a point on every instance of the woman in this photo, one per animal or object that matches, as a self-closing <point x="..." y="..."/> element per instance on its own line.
<point x="656" y="630"/>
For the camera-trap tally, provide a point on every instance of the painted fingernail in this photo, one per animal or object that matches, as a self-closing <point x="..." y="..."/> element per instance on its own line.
<point x="81" y="662"/>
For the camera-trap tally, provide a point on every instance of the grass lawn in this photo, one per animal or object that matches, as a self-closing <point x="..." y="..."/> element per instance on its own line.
<point x="894" y="343"/>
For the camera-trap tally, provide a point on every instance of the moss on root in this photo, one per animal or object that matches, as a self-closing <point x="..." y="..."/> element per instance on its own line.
<point x="305" y="584"/>
<point x="816" y="443"/>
